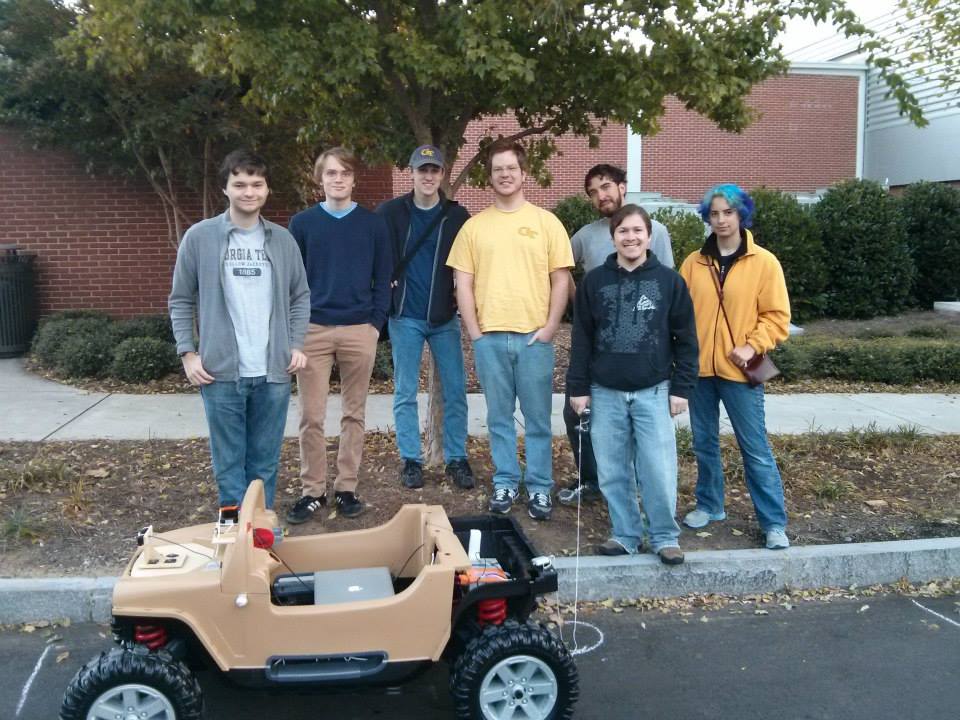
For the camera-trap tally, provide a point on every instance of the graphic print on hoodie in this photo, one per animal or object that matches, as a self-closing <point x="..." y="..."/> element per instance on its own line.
<point x="629" y="306"/>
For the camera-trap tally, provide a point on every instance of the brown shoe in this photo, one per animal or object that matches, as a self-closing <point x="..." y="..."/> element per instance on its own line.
<point x="671" y="556"/>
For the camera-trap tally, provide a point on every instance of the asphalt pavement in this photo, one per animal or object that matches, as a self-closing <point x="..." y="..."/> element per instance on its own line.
<point x="873" y="658"/>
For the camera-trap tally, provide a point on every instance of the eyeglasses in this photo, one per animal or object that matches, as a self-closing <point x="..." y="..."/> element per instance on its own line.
<point x="505" y="170"/>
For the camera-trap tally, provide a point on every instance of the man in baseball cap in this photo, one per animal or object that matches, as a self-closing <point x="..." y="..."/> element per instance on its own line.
<point x="422" y="226"/>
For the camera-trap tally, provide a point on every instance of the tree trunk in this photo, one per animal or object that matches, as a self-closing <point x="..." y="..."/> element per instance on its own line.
<point x="433" y="431"/>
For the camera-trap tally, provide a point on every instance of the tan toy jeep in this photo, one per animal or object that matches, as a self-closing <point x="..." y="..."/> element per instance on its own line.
<point x="365" y="607"/>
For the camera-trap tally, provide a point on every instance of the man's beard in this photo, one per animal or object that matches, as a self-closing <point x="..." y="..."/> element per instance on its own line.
<point x="610" y="209"/>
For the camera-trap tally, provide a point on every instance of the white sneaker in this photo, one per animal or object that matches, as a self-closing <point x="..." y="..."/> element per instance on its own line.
<point x="701" y="518"/>
<point x="777" y="539"/>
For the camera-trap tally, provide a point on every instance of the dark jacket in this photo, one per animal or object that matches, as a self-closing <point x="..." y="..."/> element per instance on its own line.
<point x="441" y="305"/>
<point x="633" y="330"/>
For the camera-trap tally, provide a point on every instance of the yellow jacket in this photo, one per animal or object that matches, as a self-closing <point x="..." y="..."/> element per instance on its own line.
<point x="756" y="303"/>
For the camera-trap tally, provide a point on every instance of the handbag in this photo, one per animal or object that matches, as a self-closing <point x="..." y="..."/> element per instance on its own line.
<point x="405" y="260"/>
<point x="760" y="368"/>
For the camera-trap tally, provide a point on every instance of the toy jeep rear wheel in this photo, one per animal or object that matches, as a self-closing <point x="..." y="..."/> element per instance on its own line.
<point x="133" y="684"/>
<point x="514" y="670"/>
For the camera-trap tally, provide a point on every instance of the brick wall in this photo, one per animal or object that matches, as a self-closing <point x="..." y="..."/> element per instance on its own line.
<point x="102" y="241"/>
<point x="806" y="138"/>
<point x="568" y="169"/>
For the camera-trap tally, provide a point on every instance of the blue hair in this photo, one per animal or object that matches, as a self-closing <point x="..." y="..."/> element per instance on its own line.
<point x="736" y="198"/>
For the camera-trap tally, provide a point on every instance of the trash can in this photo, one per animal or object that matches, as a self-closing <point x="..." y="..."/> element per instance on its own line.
<point x="18" y="303"/>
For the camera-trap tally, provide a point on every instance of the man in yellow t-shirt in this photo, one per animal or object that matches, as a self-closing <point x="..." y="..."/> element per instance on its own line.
<point x="511" y="263"/>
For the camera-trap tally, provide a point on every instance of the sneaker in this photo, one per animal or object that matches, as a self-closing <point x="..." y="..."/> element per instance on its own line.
<point x="701" y="518"/>
<point x="304" y="508"/>
<point x="612" y="547"/>
<point x="777" y="539"/>
<point x="461" y="473"/>
<point x="671" y="555"/>
<point x="583" y="494"/>
<point x="348" y="504"/>
<point x="502" y="500"/>
<point x="412" y="474"/>
<point x="539" y="506"/>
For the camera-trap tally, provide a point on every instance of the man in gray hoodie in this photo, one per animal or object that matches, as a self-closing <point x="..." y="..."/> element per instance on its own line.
<point x="242" y="279"/>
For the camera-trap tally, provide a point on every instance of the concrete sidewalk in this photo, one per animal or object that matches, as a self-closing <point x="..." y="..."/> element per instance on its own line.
<point x="35" y="409"/>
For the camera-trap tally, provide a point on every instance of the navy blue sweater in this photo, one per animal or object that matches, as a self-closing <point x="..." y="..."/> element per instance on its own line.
<point x="349" y="261"/>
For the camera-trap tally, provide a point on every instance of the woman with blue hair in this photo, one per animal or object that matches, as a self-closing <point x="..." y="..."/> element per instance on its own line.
<point x="742" y="310"/>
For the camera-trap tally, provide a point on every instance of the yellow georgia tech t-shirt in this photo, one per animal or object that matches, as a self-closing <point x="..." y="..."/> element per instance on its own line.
<point x="511" y="256"/>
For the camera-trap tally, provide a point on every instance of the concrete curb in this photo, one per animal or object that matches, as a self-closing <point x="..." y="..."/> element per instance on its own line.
<point x="738" y="572"/>
<point x="732" y="572"/>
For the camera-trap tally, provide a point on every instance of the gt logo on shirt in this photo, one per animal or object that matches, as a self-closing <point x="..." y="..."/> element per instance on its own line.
<point x="527" y="232"/>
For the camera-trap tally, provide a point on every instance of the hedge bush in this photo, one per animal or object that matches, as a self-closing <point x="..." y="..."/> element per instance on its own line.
<point x="686" y="231"/>
<point x="148" y="326"/>
<point x="896" y="361"/>
<point x="868" y="259"/>
<point x="141" y="359"/>
<point x="87" y="354"/>
<point x="54" y="332"/>
<point x="931" y="217"/>
<point x="575" y="212"/>
<point x="787" y="229"/>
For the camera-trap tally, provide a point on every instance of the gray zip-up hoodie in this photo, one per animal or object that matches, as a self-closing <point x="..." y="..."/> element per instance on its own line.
<point x="198" y="290"/>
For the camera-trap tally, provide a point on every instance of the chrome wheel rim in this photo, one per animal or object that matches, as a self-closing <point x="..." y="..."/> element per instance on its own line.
<point x="520" y="686"/>
<point x="132" y="702"/>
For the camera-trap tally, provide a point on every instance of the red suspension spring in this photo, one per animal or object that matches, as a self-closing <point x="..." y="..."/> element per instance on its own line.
<point x="492" y="612"/>
<point x="153" y="636"/>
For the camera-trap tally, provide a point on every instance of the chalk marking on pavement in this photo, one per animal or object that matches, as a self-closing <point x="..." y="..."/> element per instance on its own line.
<point x="75" y="417"/>
<point x="588" y="648"/>
<point x="33" y="676"/>
<point x="934" y="612"/>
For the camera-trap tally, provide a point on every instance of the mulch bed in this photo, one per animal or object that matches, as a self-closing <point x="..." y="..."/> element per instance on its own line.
<point x="73" y="508"/>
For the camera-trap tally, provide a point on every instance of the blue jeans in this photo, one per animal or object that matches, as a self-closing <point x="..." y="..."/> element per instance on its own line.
<point x="407" y="336"/>
<point x="509" y="368"/>
<point x="246" y="420"/>
<point x="637" y="423"/>
<point x="744" y="406"/>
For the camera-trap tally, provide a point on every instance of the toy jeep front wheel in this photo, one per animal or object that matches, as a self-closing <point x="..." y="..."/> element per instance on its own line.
<point x="133" y="684"/>
<point x="514" y="670"/>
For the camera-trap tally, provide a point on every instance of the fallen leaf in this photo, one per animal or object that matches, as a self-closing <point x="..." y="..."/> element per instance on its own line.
<point x="98" y="473"/>
<point x="63" y="656"/>
<point x="876" y="504"/>
<point x="704" y="619"/>
<point x="736" y="532"/>
<point x="704" y="534"/>
<point x="863" y="608"/>
<point x="761" y="612"/>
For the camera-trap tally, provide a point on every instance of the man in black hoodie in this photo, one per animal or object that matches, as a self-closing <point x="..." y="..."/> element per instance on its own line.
<point x="634" y="361"/>
<point x="422" y="225"/>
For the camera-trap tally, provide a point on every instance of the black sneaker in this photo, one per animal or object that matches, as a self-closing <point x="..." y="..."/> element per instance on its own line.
<point x="412" y="474"/>
<point x="584" y="494"/>
<point x="460" y="472"/>
<point x="502" y="500"/>
<point x="348" y="504"/>
<point x="304" y="508"/>
<point x="539" y="506"/>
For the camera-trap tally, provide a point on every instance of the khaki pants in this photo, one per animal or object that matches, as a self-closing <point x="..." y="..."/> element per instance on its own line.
<point x="354" y="348"/>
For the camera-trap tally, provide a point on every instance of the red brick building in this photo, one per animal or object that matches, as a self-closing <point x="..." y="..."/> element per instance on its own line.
<point x="102" y="242"/>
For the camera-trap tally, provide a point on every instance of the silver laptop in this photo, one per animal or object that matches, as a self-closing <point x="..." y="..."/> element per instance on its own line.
<point x="339" y="586"/>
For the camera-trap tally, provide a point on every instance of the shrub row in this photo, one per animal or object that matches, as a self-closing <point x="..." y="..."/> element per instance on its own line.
<point x="858" y="253"/>
<point x="896" y="361"/>
<point x="80" y="343"/>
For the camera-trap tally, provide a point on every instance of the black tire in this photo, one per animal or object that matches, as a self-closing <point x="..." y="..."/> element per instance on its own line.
<point x="477" y="668"/>
<point x="137" y="666"/>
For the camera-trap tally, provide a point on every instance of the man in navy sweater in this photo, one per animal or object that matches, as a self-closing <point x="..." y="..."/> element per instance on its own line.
<point x="422" y="225"/>
<point x="347" y="254"/>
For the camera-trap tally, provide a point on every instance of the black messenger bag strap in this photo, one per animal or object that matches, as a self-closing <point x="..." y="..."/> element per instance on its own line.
<point x="402" y="265"/>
